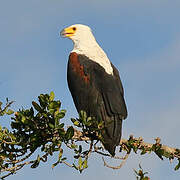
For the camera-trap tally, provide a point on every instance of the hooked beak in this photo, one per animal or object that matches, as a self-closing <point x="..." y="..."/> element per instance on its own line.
<point x="62" y="33"/>
<point x="67" y="32"/>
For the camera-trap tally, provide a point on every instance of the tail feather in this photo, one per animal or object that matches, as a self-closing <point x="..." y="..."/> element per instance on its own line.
<point x="112" y="133"/>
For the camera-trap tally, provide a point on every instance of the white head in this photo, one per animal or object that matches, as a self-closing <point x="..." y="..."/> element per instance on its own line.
<point x="85" y="43"/>
<point x="80" y="34"/>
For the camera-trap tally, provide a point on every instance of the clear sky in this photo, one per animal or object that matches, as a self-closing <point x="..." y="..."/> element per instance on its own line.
<point x="141" y="38"/>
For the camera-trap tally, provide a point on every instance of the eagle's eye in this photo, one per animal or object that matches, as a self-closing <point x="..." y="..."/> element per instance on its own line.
<point x="74" y="28"/>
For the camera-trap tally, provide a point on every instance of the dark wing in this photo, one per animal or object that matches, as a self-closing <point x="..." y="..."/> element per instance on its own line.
<point x="99" y="94"/>
<point x="113" y="95"/>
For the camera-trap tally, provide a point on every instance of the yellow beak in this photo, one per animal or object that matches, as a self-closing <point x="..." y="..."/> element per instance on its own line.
<point x="68" y="32"/>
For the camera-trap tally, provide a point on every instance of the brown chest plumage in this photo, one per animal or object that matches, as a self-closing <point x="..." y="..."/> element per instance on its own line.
<point x="77" y="67"/>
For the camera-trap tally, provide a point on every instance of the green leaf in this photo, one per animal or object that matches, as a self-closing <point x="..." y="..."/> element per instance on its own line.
<point x="63" y="111"/>
<point x="38" y="158"/>
<point x="80" y="148"/>
<point x="54" y="105"/>
<point x="101" y="125"/>
<point x="76" y="123"/>
<point x="143" y="152"/>
<point x="43" y="100"/>
<point x="59" y="115"/>
<point x="74" y="146"/>
<point x="35" y="164"/>
<point x="159" y="153"/>
<point x="36" y="106"/>
<point x="52" y="95"/>
<point x="80" y="162"/>
<point x="51" y="125"/>
<point x="60" y="126"/>
<point x="61" y="132"/>
<point x="69" y="133"/>
<point x="73" y="120"/>
<point x="55" y="164"/>
<point x="9" y="112"/>
<point x="60" y="154"/>
<point x="178" y="166"/>
<point x="83" y="116"/>
<point x="56" y="123"/>
<point x="135" y="149"/>
<point x="85" y="164"/>
<point x="23" y="119"/>
<point x="63" y="159"/>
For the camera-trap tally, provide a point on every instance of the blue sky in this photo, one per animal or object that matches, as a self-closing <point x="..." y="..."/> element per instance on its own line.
<point x="141" y="38"/>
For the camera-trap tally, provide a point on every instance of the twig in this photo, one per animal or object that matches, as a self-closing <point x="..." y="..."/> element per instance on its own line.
<point x="78" y="136"/>
<point x="20" y="160"/>
<point x="8" y="104"/>
<point x="116" y="167"/>
<point x="18" y="166"/>
<point x="122" y="158"/>
<point x="67" y="164"/>
<point x="3" y="177"/>
<point x="90" y="150"/>
<point x="99" y="152"/>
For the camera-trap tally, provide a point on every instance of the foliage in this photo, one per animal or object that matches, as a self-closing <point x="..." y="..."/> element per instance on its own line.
<point x="39" y="127"/>
<point x="162" y="151"/>
<point x="6" y="109"/>
<point x="140" y="175"/>
<point x="40" y="131"/>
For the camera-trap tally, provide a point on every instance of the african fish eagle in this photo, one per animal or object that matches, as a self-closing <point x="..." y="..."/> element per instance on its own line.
<point x="95" y="84"/>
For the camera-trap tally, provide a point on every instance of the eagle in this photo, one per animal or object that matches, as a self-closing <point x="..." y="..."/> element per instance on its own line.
<point x="95" y="84"/>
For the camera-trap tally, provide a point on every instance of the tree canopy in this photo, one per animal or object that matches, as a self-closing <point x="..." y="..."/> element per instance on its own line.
<point x="40" y="130"/>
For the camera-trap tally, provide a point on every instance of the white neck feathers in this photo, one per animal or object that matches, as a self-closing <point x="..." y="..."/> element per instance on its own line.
<point x="87" y="45"/>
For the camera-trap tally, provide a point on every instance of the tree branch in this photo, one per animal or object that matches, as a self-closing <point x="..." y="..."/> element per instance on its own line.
<point x="136" y="144"/>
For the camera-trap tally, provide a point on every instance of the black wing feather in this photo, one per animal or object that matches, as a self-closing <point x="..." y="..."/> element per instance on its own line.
<point x="114" y="96"/>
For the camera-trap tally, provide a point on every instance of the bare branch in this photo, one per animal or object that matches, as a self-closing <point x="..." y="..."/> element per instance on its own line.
<point x="116" y="167"/>
<point x="67" y="164"/>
